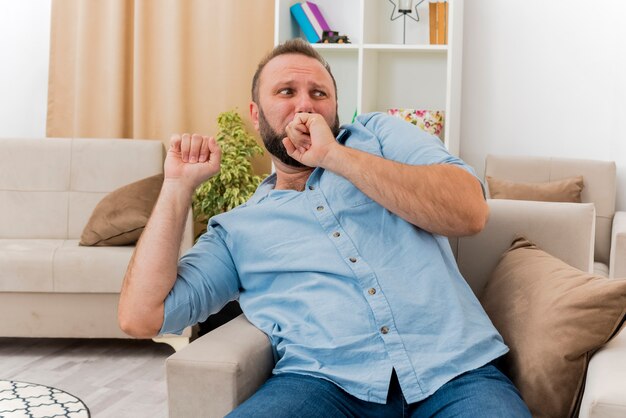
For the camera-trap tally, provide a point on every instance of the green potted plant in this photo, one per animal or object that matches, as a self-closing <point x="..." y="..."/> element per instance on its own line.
<point x="235" y="182"/>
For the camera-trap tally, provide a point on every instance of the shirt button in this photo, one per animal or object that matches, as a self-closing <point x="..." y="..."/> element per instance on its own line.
<point x="320" y="208"/>
<point x="384" y="330"/>
<point x="336" y="234"/>
<point x="352" y="260"/>
<point x="372" y="291"/>
<point x="311" y="187"/>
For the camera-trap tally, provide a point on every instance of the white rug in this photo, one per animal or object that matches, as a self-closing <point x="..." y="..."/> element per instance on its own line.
<point x="30" y="400"/>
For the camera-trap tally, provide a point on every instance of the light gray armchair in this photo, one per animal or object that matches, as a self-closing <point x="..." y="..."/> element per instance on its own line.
<point x="599" y="188"/>
<point x="220" y="370"/>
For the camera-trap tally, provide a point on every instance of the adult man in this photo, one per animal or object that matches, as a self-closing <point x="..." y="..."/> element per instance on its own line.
<point x="339" y="257"/>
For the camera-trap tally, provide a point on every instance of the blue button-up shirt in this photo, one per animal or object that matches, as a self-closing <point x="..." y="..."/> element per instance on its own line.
<point x="344" y="289"/>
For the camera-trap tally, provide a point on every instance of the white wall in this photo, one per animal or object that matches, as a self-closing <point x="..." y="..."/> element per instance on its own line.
<point x="24" y="52"/>
<point x="545" y="78"/>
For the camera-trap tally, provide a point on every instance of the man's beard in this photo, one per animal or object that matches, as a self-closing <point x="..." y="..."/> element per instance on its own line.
<point x="274" y="140"/>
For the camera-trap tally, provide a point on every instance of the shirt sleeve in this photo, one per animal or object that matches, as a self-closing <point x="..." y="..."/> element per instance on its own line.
<point x="406" y="143"/>
<point x="206" y="281"/>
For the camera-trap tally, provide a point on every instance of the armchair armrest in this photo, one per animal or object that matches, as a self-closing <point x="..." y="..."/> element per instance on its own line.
<point x="605" y="393"/>
<point x="565" y="230"/>
<point x="617" y="266"/>
<point x="218" y="371"/>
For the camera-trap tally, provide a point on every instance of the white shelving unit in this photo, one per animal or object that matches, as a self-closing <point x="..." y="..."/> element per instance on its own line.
<point x="376" y="72"/>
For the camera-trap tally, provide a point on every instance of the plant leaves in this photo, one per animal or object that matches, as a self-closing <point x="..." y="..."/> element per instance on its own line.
<point x="236" y="182"/>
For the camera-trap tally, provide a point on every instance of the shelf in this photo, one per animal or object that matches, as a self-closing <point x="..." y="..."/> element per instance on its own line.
<point x="412" y="79"/>
<point x="400" y="47"/>
<point x="377" y="71"/>
<point x="381" y="47"/>
<point x="380" y="29"/>
<point x="338" y="47"/>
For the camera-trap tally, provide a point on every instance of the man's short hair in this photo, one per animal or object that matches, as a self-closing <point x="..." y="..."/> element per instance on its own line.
<point x="292" y="46"/>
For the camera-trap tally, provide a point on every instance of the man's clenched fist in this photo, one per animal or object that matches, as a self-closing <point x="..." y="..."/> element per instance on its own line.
<point x="192" y="159"/>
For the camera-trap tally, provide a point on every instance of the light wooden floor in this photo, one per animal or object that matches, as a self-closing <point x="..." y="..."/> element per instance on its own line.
<point x="114" y="378"/>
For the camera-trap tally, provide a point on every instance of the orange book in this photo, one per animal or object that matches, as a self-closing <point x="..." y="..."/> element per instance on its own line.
<point x="432" y="22"/>
<point x="442" y="22"/>
<point x="445" y="39"/>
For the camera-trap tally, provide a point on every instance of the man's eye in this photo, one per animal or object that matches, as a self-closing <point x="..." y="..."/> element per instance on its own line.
<point x="285" y="91"/>
<point x="318" y="93"/>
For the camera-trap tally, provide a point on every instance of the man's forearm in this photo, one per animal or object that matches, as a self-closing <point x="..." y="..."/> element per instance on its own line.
<point x="152" y="270"/>
<point x="441" y="198"/>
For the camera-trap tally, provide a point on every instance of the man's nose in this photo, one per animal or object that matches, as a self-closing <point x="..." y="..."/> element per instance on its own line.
<point x="304" y="104"/>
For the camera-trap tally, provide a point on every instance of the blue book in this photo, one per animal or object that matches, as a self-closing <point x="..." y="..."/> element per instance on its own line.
<point x="303" y="21"/>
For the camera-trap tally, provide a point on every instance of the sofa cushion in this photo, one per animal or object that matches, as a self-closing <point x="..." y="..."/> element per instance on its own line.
<point x="565" y="190"/>
<point x="33" y="214"/>
<point x="553" y="317"/>
<point x="61" y="266"/>
<point x="26" y="264"/>
<point x="79" y="269"/>
<point x="92" y="160"/>
<point x="121" y="215"/>
<point x="48" y="172"/>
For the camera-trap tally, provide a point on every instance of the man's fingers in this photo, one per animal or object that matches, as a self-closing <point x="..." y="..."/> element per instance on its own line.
<point x="194" y="148"/>
<point x="215" y="152"/>
<point x="289" y="130"/>
<point x="302" y="128"/>
<point x="204" y="150"/>
<point x="303" y="118"/>
<point x="298" y="135"/>
<point x="289" y="146"/>
<point x="185" y="146"/>
<point x="175" y="142"/>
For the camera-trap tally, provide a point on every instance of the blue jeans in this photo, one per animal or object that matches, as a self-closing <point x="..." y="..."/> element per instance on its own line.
<point x="484" y="392"/>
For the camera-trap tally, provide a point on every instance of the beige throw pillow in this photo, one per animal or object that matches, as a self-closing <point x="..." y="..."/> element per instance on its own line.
<point x="566" y="190"/>
<point x="121" y="215"/>
<point x="553" y="318"/>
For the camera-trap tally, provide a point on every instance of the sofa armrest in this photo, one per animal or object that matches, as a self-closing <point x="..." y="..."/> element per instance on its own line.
<point x="617" y="267"/>
<point x="565" y="230"/>
<point x="218" y="371"/>
<point x="605" y="392"/>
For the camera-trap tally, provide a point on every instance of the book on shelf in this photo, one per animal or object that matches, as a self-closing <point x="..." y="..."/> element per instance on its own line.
<point x="438" y="22"/>
<point x="432" y="22"/>
<point x="305" y="24"/>
<point x="316" y="17"/>
<point x="442" y="22"/>
<point x="314" y="22"/>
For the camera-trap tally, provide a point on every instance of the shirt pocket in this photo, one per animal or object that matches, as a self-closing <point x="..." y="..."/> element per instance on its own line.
<point x="346" y="192"/>
<point x="343" y="194"/>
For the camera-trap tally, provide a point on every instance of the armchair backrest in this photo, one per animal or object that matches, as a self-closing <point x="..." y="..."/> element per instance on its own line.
<point x="564" y="230"/>
<point x="599" y="186"/>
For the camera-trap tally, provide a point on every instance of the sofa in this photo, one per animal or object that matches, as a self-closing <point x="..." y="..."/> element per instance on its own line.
<point x="50" y="286"/>
<point x="219" y="370"/>
<point x="599" y="187"/>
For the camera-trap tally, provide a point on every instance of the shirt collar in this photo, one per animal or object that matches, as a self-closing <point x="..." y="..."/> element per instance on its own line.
<point x="263" y="190"/>
<point x="343" y="136"/>
<point x="269" y="183"/>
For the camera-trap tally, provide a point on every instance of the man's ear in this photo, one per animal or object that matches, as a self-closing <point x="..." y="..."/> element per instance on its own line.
<point x="254" y="114"/>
